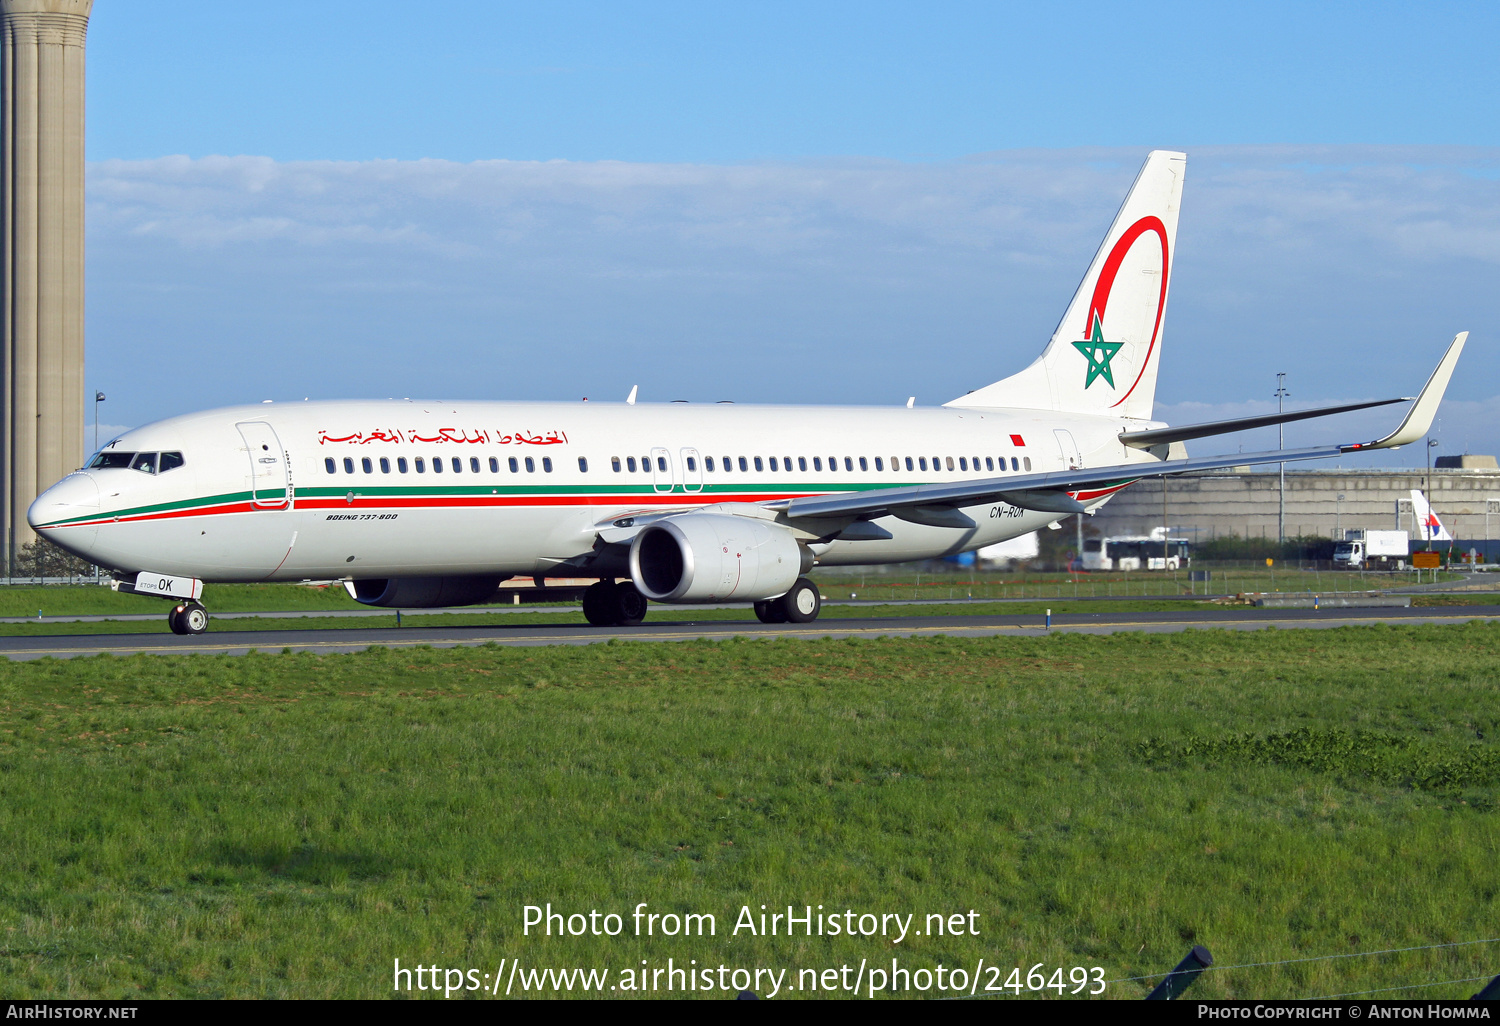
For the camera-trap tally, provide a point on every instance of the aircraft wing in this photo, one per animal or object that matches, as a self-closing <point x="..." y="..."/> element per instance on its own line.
<point x="1071" y="491"/>
<point x="1067" y="491"/>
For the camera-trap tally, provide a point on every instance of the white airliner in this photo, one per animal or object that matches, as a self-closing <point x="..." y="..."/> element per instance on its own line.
<point x="426" y="504"/>
<point x="1429" y="527"/>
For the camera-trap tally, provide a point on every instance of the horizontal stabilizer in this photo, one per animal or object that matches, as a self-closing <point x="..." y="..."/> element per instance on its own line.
<point x="1161" y="436"/>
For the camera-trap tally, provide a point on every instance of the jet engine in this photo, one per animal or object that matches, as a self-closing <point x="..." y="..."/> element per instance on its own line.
<point x="707" y="557"/>
<point x="423" y="592"/>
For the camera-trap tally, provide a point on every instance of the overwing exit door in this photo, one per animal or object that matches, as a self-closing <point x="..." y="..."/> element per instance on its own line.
<point x="661" y="470"/>
<point x="692" y="471"/>
<point x="270" y="477"/>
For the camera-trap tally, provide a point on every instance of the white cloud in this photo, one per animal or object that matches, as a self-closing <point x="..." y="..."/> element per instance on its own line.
<point x="226" y="278"/>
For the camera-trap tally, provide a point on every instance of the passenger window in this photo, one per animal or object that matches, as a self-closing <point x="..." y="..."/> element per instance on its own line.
<point x="145" y="463"/>
<point x="494" y="465"/>
<point x="1015" y="464"/>
<point x="530" y="465"/>
<point x="989" y="463"/>
<point x="629" y="462"/>
<point x="818" y="463"/>
<point x="547" y="464"/>
<point x="758" y="464"/>
<point x="743" y="465"/>
<point x="908" y="463"/>
<point x="348" y="464"/>
<point x="864" y="464"/>
<point x="385" y="465"/>
<point x="614" y="461"/>
<point x="366" y="465"/>
<point x="583" y="464"/>
<point x="1028" y="462"/>
<point x="878" y="464"/>
<point x="922" y="462"/>
<point x="802" y="463"/>
<point x="421" y="466"/>
<point x="963" y="463"/>
<point x="786" y="464"/>
<point x="833" y="463"/>
<point x="401" y="464"/>
<point x="327" y="463"/>
<point x="849" y="463"/>
<point x="514" y="466"/>
<point x="708" y="463"/>
<point x="458" y="465"/>
<point x="773" y="462"/>
<point x="474" y="464"/>
<point x="437" y="464"/>
<point x="729" y="464"/>
<point x="692" y="464"/>
<point x="661" y="464"/>
<point x="950" y="462"/>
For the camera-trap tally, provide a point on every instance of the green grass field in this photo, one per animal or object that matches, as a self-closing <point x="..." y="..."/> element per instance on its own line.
<point x="288" y="825"/>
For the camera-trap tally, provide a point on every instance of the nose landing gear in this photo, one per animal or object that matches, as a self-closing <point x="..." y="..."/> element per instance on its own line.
<point x="188" y="618"/>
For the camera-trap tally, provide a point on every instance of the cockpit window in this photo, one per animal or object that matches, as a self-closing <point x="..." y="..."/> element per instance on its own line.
<point x="145" y="462"/>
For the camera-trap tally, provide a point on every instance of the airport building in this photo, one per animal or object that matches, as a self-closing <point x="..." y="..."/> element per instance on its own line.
<point x="1465" y="494"/>
<point x="41" y="207"/>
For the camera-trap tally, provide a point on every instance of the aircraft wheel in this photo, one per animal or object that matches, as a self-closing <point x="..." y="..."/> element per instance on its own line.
<point x="174" y="620"/>
<point x="630" y="605"/>
<point x="601" y="604"/>
<point x="803" y="603"/>
<point x="770" y="611"/>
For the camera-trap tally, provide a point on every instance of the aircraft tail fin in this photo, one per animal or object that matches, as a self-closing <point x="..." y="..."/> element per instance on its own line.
<point x="1106" y="351"/>
<point x="1429" y="527"/>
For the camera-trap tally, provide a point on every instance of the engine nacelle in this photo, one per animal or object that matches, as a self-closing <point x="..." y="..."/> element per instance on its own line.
<point x="707" y="557"/>
<point x="423" y="592"/>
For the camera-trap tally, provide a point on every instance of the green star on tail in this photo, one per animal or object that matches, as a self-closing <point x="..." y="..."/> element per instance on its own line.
<point x="1099" y="353"/>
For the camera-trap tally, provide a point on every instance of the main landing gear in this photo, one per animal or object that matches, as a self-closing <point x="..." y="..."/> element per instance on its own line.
<point x="607" y="604"/>
<point x="800" y="605"/>
<point x="188" y="618"/>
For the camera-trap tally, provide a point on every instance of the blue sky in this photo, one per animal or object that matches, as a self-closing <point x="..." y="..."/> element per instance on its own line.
<point x="801" y="203"/>
<point x="724" y="82"/>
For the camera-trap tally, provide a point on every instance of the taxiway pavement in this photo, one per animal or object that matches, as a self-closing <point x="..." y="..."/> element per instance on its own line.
<point x="673" y="626"/>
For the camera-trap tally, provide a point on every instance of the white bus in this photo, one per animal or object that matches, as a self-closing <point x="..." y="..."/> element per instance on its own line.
<point x="1136" y="552"/>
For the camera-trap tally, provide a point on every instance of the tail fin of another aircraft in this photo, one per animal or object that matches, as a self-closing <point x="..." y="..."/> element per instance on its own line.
<point x="1429" y="527"/>
<point x="1105" y="353"/>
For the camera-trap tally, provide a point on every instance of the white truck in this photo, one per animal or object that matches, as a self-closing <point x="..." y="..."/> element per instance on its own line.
<point x="1372" y="550"/>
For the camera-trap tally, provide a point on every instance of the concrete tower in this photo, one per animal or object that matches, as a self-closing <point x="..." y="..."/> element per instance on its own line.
<point x="41" y="268"/>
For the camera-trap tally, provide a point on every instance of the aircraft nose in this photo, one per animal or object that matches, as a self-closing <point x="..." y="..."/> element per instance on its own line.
<point x="57" y="511"/>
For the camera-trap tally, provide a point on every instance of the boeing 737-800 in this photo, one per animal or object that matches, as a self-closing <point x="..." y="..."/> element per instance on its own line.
<point x="427" y="504"/>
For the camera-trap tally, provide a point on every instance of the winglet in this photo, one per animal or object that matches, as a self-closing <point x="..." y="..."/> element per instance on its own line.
<point x="1419" y="417"/>
<point x="630" y="399"/>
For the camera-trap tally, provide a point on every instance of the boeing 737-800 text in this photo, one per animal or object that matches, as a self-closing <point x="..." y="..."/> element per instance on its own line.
<point x="425" y="504"/>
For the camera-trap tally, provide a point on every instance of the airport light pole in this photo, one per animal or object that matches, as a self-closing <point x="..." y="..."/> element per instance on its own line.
<point x="1338" y="511"/>
<point x="1281" y="394"/>
<point x="98" y="398"/>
